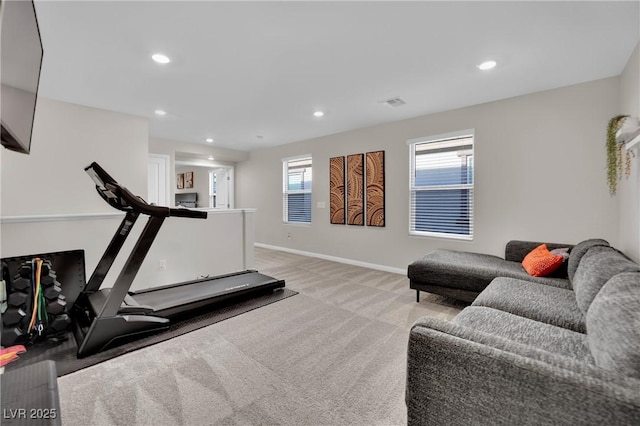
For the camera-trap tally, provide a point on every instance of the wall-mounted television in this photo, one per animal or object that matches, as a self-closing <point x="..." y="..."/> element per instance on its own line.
<point x="20" y="63"/>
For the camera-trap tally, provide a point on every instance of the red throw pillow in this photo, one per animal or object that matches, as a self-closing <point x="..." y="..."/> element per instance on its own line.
<point x="541" y="262"/>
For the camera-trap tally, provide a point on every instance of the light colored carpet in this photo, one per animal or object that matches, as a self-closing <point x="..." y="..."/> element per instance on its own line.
<point x="333" y="355"/>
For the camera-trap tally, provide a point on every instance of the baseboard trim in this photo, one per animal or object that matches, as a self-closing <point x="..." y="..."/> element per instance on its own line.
<point x="335" y="259"/>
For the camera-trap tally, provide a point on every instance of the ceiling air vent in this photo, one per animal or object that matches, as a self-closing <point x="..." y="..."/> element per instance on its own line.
<point x="394" y="102"/>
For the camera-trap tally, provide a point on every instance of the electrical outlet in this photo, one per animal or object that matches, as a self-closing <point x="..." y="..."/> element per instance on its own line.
<point x="163" y="265"/>
<point x="288" y="235"/>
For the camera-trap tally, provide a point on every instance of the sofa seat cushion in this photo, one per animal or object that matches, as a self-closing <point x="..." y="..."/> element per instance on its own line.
<point x="469" y="271"/>
<point x="547" y="304"/>
<point x="543" y="336"/>
<point x="515" y="270"/>
<point x="598" y="265"/>
<point x="613" y="325"/>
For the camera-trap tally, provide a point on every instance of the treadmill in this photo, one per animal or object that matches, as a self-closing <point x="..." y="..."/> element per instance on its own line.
<point x="106" y="317"/>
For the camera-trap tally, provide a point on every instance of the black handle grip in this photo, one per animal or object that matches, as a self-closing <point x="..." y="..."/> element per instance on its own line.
<point x="194" y="214"/>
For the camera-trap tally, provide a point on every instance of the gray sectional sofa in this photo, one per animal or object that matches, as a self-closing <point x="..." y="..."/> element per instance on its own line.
<point x="463" y="275"/>
<point x="527" y="351"/>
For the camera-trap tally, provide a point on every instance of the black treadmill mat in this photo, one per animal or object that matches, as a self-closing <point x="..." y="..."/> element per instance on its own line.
<point x="64" y="353"/>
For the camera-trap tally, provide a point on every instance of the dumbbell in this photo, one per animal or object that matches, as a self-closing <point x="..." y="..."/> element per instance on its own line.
<point x="13" y="316"/>
<point x="52" y="292"/>
<point x="59" y="323"/>
<point x="49" y="279"/>
<point x="21" y="283"/>
<point x="17" y="298"/>
<point x="57" y="306"/>
<point x="47" y="274"/>
<point x="25" y="270"/>
<point x="46" y="268"/>
<point x="10" y="335"/>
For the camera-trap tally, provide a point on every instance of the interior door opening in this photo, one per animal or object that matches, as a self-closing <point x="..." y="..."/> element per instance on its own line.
<point x="158" y="179"/>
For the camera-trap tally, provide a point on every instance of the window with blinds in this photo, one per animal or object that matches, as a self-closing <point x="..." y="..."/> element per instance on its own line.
<point x="297" y="190"/>
<point x="441" y="186"/>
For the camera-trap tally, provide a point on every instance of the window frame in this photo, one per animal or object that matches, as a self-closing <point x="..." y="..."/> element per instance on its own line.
<point x="286" y="192"/>
<point x="413" y="189"/>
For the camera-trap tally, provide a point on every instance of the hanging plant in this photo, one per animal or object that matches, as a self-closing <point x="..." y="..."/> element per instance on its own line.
<point x="615" y="164"/>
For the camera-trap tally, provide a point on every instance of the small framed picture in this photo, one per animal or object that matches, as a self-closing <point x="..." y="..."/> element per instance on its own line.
<point x="188" y="180"/>
<point x="180" y="180"/>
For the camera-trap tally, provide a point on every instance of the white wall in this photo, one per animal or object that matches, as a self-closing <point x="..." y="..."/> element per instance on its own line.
<point x="539" y="170"/>
<point x="66" y="139"/>
<point x="629" y="189"/>
<point x="191" y="248"/>
<point x="51" y="180"/>
<point x="221" y="244"/>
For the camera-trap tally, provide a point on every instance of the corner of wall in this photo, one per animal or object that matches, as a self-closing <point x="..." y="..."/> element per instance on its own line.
<point x="629" y="189"/>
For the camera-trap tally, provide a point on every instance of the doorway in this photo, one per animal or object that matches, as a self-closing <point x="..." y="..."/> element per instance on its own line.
<point x="158" y="179"/>
<point x="212" y="182"/>
<point x="221" y="188"/>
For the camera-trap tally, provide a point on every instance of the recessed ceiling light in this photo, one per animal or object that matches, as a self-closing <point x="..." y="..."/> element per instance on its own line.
<point x="160" y="58"/>
<point x="318" y="114"/>
<point x="211" y="157"/>
<point x="160" y="112"/>
<point x="210" y="140"/>
<point x="487" y="65"/>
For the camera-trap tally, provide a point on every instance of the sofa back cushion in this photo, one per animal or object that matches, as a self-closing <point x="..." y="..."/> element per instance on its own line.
<point x="597" y="266"/>
<point x="517" y="250"/>
<point x="613" y="325"/>
<point x="578" y="251"/>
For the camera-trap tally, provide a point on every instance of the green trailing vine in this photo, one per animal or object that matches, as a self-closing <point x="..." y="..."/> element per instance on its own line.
<point x="616" y="167"/>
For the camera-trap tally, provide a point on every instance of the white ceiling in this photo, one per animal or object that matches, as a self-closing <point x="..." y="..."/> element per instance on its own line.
<point x="242" y="69"/>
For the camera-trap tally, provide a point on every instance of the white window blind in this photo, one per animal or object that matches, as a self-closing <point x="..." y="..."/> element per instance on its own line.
<point x="297" y="182"/>
<point x="441" y="187"/>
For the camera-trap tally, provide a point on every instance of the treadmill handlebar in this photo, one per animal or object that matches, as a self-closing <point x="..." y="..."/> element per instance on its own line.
<point x="183" y="212"/>
<point x="119" y="197"/>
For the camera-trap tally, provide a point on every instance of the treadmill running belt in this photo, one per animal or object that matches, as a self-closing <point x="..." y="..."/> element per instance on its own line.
<point x="169" y="300"/>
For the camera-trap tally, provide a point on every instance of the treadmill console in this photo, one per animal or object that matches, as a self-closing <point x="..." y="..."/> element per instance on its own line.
<point x="119" y="197"/>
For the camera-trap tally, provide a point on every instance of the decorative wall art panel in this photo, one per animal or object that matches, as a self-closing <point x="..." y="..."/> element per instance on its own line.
<point x="355" y="189"/>
<point x="336" y="190"/>
<point x="375" y="188"/>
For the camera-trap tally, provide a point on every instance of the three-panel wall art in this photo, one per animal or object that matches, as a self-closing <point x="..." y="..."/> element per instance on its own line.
<point x="356" y="188"/>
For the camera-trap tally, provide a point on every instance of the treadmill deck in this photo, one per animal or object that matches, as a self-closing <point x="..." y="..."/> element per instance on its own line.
<point x="165" y="300"/>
